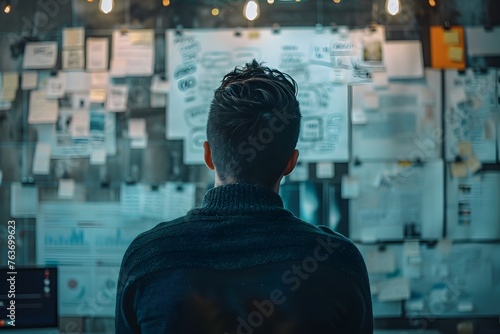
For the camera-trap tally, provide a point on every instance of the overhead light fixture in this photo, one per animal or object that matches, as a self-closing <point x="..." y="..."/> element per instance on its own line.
<point x="392" y="7"/>
<point x="215" y="11"/>
<point x="251" y="11"/>
<point x="432" y="3"/>
<point x="270" y="2"/>
<point x="165" y="3"/>
<point x="106" y="6"/>
<point x="336" y="1"/>
<point x="7" y="7"/>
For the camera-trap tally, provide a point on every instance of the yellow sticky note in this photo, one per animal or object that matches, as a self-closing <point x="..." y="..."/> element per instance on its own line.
<point x="253" y="35"/>
<point x="464" y="149"/>
<point x="451" y="37"/>
<point x="456" y="53"/>
<point x="458" y="170"/>
<point x="472" y="164"/>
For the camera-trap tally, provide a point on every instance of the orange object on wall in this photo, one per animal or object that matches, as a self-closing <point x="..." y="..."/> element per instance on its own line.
<point x="447" y="47"/>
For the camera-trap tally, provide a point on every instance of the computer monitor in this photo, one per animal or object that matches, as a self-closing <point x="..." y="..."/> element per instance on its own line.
<point x="28" y="300"/>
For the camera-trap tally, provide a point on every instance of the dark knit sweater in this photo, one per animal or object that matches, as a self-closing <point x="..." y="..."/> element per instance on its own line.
<point x="239" y="245"/>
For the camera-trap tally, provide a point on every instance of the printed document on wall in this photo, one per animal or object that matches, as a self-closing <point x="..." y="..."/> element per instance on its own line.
<point x="401" y="122"/>
<point x="470" y="100"/>
<point x="135" y="51"/>
<point x="40" y="55"/>
<point x="472" y="206"/>
<point x="397" y="200"/>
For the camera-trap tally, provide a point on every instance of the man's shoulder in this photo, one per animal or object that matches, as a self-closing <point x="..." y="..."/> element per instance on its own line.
<point x="146" y="239"/>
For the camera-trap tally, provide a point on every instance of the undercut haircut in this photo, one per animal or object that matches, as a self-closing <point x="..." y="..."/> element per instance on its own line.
<point x="253" y="124"/>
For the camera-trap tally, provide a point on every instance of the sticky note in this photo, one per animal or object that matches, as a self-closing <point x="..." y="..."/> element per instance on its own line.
<point x="23" y="200"/>
<point x="458" y="170"/>
<point x="381" y="262"/>
<point x="325" y="170"/>
<point x="41" y="159"/>
<point x="29" y="80"/>
<point x="473" y="164"/>
<point x="98" y="95"/>
<point x="137" y="128"/>
<point x="451" y="37"/>
<point x="456" y="54"/>
<point x="66" y="189"/>
<point x="465" y="148"/>
<point x="465" y="306"/>
<point x="358" y="116"/>
<point x="55" y="88"/>
<point x="415" y="305"/>
<point x="350" y="187"/>
<point x="380" y="79"/>
<point x="98" y="156"/>
<point x="394" y="289"/>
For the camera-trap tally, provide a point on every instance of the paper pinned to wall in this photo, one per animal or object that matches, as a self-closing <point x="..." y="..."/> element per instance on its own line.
<point x="381" y="261"/>
<point x="97" y="54"/>
<point x="393" y="289"/>
<point x="117" y="97"/>
<point x="137" y="128"/>
<point x="23" y="200"/>
<point x="396" y="122"/>
<point x="66" y="189"/>
<point x="40" y="55"/>
<point x="403" y="59"/>
<point x="41" y="159"/>
<point x="29" y="80"/>
<point x="73" y="59"/>
<point x="73" y="37"/>
<point x="8" y="86"/>
<point x="470" y="113"/>
<point x="98" y="156"/>
<point x="136" y="49"/>
<point x="99" y="79"/>
<point x="445" y="53"/>
<point x="406" y="202"/>
<point x="482" y="42"/>
<point x="472" y="206"/>
<point x="325" y="170"/>
<point x="56" y="87"/>
<point x="41" y="109"/>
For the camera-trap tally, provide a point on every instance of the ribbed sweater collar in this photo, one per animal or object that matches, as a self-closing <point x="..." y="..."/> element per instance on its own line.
<point x="240" y="198"/>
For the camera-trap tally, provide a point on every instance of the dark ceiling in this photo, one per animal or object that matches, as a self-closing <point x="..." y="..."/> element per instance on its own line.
<point x="196" y="14"/>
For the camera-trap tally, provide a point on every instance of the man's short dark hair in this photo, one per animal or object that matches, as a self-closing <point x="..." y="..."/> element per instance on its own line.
<point x="253" y="124"/>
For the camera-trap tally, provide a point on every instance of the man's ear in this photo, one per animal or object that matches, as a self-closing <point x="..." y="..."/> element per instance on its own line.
<point x="291" y="162"/>
<point x="207" y="155"/>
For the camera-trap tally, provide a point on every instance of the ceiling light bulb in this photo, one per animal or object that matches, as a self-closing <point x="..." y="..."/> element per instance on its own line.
<point x="251" y="10"/>
<point x="270" y="2"/>
<point x="106" y="6"/>
<point x="165" y="3"/>
<point x="393" y="7"/>
<point x="215" y="11"/>
<point x="7" y="8"/>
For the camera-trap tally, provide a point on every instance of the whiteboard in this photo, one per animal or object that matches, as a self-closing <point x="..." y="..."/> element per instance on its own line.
<point x="198" y="59"/>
